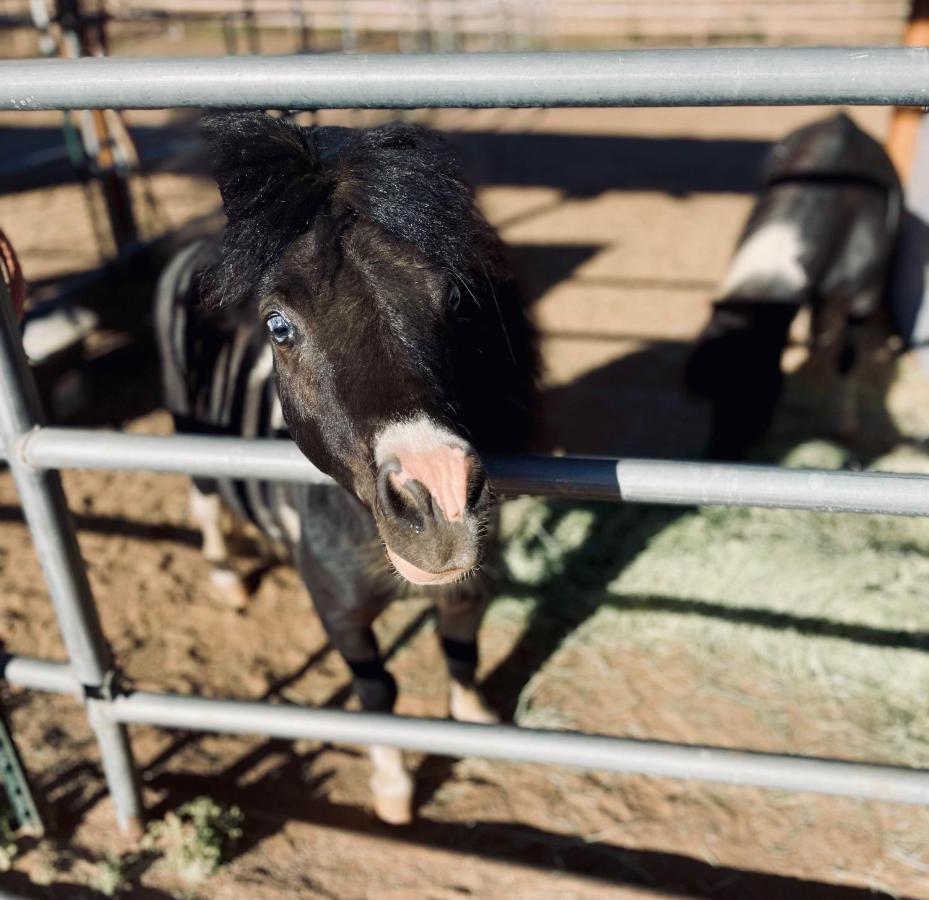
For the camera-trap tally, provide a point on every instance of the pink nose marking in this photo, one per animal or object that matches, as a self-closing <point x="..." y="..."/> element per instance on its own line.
<point x="443" y="471"/>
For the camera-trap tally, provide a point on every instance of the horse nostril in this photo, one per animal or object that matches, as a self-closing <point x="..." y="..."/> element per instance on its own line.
<point x="477" y="478"/>
<point x="408" y="502"/>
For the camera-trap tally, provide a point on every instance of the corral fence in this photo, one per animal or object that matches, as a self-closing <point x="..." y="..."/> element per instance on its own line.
<point x="35" y="452"/>
<point x="554" y="23"/>
<point x="521" y="24"/>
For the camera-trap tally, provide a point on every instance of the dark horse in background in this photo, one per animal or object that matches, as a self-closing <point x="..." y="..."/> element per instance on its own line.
<point x="357" y="282"/>
<point x="821" y="234"/>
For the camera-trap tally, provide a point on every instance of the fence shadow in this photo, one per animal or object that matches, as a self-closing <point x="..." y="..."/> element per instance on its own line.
<point x="281" y="796"/>
<point x="35" y="157"/>
<point x="117" y="525"/>
<point x="21" y="885"/>
<point x="586" y="165"/>
<point x="578" y="165"/>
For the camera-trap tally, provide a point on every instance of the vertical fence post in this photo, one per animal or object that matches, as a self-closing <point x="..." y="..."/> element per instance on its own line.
<point x="56" y="546"/>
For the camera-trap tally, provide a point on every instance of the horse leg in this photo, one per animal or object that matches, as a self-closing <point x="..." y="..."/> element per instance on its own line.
<point x="376" y="689"/>
<point x="337" y="552"/>
<point x="847" y="413"/>
<point x="459" y="620"/>
<point x="206" y="509"/>
<point x="861" y="306"/>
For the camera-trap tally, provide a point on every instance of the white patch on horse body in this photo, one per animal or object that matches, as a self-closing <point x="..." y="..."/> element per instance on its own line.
<point x="769" y="261"/>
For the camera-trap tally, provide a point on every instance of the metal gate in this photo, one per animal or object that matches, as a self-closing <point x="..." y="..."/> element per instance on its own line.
<point x="35" y="452"/>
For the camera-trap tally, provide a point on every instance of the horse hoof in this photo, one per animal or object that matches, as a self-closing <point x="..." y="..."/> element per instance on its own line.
<point x="394" y="810"/>
<point x="229" y="586"/>
<point x="467" y="705"/>
<point x="391" y="786"/>
<point x="393" y="799"/>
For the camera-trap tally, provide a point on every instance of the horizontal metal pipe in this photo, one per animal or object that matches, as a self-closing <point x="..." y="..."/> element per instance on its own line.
<point x="186" y="454"/>
<point x="627" y="480"/>
<point x="587" y="751"/>
<point x="684" y="77"/>
<point x="711" y="484"/>
<point x="495" y="741"/>
<point x="39" y="674"/>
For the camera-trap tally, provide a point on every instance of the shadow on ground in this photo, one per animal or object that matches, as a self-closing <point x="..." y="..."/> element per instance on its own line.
<point x="631" y="406"/>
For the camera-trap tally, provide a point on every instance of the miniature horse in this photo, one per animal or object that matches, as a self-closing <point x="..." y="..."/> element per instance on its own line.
<point x="356" y="280"/>
<point x="822" y="233"/>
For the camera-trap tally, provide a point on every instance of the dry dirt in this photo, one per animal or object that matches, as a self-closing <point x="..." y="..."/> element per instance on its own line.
<point x="623" y="221"/>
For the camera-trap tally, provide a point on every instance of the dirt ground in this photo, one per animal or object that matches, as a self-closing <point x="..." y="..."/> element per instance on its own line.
<point x="767" y="630"/>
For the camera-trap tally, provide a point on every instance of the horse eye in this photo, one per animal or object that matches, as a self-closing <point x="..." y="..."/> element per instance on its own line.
<point x="454" y="299"/>
<point x="280" y="329"/>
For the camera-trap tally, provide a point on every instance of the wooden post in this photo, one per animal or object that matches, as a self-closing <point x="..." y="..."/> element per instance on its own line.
<point x="904" y="127"/>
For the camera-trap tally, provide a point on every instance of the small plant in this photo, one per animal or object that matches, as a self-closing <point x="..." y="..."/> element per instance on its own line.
<point x="8" y="846"/>
<point x="197" y="838"/>
<point x="111" y="874"/>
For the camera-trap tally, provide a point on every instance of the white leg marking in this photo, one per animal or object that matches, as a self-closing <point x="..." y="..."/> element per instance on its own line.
<point x="770" y="261"/>
<point x="230" y="587"/>
<point x="207" y="511"/>
<point x="467" y="705"/>
<point x="391" y="785"/>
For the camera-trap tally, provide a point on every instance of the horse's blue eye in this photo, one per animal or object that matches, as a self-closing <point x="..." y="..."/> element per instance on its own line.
<point x="280" y="329"/>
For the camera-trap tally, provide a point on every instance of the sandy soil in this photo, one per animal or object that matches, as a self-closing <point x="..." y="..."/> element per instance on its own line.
<point x="623" y="221"/>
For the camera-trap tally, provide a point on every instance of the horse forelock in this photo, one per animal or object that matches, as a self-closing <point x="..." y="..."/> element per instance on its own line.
<point x="402" y="177"/>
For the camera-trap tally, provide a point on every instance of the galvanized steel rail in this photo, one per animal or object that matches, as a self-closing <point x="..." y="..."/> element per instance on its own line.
<point x="628" y="480"/>
<point x="693" y="77"/>
<point x="634" y="78"/>
<point x="52" y="528"/>
<point x="579" y="750"/>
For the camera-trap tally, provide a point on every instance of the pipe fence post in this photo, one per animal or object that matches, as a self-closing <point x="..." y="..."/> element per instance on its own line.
<point x="55" y="541"/>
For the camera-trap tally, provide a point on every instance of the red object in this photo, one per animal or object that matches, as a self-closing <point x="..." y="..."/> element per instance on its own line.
<point x="13" y="275"/>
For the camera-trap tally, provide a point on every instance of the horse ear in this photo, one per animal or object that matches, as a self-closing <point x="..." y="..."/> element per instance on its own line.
<point x="255" y="158"/>
<point x="269" y="174"/>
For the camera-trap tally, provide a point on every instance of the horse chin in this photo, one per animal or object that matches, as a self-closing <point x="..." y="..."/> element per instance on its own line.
<point x="416" y="575"/>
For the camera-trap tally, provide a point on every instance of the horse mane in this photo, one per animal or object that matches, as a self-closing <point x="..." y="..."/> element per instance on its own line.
<point x="275" y="178"/>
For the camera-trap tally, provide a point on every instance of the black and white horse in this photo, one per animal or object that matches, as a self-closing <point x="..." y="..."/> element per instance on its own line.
<point x="822" y="234"/>
<point x="357" y="281"/>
